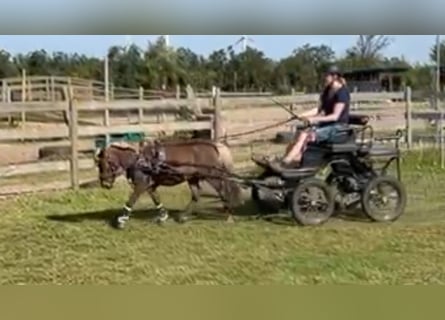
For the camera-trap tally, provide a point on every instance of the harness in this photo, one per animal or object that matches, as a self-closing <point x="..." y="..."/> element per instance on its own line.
<point x="156" y="162"/>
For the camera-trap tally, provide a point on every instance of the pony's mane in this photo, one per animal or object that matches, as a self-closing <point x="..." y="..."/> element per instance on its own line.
<point x="181" y="142"/>
<point x="187" y="142"/>
<point x="123" y="146"/>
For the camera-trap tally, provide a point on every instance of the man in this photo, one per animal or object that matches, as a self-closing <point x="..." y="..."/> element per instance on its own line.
<point x="324" y="122"/>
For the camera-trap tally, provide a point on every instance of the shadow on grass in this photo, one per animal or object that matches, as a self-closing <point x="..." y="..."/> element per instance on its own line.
<point x="284" y="217"/>
<point x="207" y="213"/>
<point x="248" y="211"/>
<point x="104" y="215"/>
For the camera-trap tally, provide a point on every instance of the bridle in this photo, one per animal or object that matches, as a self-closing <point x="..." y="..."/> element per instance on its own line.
<point x="113" y="170"/>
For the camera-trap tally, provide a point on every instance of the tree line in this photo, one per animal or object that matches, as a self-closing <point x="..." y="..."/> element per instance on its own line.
<point x="162" y="67"/>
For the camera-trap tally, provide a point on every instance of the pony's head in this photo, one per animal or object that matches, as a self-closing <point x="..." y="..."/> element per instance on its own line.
<point x="112" y="162"/>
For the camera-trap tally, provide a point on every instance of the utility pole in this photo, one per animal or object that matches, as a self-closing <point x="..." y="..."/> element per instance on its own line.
<point x="167" y="40"/>
<point x="437" y="71"/>
<point x="438" y="104"/>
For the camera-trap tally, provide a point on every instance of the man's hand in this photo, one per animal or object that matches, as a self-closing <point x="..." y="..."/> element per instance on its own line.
<point x="306" y="121"/>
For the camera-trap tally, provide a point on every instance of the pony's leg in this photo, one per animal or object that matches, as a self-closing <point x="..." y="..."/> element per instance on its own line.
<point x="190" y="209"/>
<point x="121" y="219"/>
<point x="220" y="187"/>
<point x="162" y="212"/>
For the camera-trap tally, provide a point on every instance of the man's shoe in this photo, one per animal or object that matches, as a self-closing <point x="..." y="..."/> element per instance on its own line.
<point x="280" y="166"/>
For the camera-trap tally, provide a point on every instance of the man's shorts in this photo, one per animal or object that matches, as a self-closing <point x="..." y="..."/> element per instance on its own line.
<point x="328" y="133"/>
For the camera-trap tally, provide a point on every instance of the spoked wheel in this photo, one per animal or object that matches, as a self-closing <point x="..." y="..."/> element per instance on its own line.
<point x="312" y="202"/>
<point x="384" y="199"/>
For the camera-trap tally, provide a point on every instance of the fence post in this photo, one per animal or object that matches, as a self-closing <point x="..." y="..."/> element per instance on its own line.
<point x="408" y="117"/>
<point x="106" y="79"/>
<point x="4" y="91"/>
<point x="23" y="116"/>
<point x="141" y="110"/>
<point x="178" y="92"/>
<point x="23" y="85"/>
<point x="112" y="92"/>
<point x="355" y="103"/>
<point x="7" y="98"/>
<point x="217" y="129"/>
<point x="73" y="133"/>
<point x="53" y="90"/>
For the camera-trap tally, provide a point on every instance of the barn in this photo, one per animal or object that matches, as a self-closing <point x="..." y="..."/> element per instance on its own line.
<point x="376" y="79"/>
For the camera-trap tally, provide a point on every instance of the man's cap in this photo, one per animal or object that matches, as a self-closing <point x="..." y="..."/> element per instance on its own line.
<point x="334" y="70"/>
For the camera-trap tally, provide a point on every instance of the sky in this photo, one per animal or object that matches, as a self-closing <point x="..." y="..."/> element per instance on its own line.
<point x="414" y="48"/>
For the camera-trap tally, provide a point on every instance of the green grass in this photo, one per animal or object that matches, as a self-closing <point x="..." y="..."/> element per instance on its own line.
<point x="64" y="238"/>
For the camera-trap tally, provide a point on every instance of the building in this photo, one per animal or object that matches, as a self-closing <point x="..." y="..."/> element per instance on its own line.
<point x="376" y="79"/>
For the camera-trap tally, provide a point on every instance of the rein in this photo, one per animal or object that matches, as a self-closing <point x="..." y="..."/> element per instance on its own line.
<point x="274" y="125"/>
<point x="245" y="133"/>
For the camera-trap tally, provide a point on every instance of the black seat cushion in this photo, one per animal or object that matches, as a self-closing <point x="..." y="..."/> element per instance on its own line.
<point x="344" y="147"/>
<point x="382" y="151"/>
<point x="358" y="120"/>
<point x="299" y="173"/>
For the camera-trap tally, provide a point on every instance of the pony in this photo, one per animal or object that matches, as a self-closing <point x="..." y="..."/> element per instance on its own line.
<point x="169" y="163"/>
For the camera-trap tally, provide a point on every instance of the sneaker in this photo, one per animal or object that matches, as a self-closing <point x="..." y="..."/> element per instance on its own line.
<point x="260" y="159"/>
<point x="280" y="166"/>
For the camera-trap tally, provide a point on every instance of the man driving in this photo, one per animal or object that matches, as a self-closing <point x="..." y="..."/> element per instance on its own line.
<point x="323" y="123"/>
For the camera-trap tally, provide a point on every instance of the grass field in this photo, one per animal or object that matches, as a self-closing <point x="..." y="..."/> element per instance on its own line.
<point x="64" y="238"/>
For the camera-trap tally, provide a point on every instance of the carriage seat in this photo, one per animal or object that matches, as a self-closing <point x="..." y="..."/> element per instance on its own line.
<point x="345" y="140"/>
<point x="376" y="150"/>
<point x="358" y="120"/>
<point x="299" y="173"/>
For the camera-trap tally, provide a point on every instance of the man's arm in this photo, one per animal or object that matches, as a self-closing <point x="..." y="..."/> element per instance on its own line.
<point x="310" y="113"/>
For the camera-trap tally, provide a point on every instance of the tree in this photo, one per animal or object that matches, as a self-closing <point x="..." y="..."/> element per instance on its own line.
<point x="216" y="66"/>
<point x="193" y="67"/>
<point x="162" y="65"/>
<point x="303" y="70"/>
<point x="7" y="66"/>
<point x="370" y="46"/>
<point x="419" y="77"/>
<point x="367" y="51"/>
<point x="126" y="66"/>
<point x="433" y="52"/>
<point x="253" y="70"/>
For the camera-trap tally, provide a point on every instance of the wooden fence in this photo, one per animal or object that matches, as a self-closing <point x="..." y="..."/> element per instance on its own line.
<point x="75" y="130"/>
<point x="206" y="110"/>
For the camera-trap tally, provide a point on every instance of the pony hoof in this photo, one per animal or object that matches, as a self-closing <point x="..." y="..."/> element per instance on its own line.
<point x="119" y="222"/>
<point x="230" y="220"/>
<point x="181" y="219"/>
<point x="161" y="219"/>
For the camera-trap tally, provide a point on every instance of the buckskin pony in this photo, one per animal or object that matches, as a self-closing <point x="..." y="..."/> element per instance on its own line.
<point x="190" y="161"/>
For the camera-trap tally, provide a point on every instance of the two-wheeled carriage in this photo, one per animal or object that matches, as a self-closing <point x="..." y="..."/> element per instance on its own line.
<point x="333" y="177"/>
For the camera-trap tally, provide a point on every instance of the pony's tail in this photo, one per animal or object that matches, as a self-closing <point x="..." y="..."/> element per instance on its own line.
<point x="232" y="189"/>
<point x="233" y="192"/>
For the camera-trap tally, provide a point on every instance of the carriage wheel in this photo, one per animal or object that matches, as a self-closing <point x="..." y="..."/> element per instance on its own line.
<point x="266" y="204"/>
<point x="312" y="202"/>
<point x="384" y="199"/>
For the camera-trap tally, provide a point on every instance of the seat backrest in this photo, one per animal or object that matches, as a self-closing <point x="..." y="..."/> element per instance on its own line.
<point x="358" y="120"/>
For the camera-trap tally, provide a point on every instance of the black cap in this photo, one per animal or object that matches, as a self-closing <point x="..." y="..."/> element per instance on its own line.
<point x="334" y="70"/>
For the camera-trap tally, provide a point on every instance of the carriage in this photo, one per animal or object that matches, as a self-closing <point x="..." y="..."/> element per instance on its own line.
<point x="337" y="177"/>
<point x="332" y="177"/>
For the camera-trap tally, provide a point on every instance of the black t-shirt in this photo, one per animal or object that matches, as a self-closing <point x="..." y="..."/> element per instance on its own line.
<point x="329" y="99"/>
